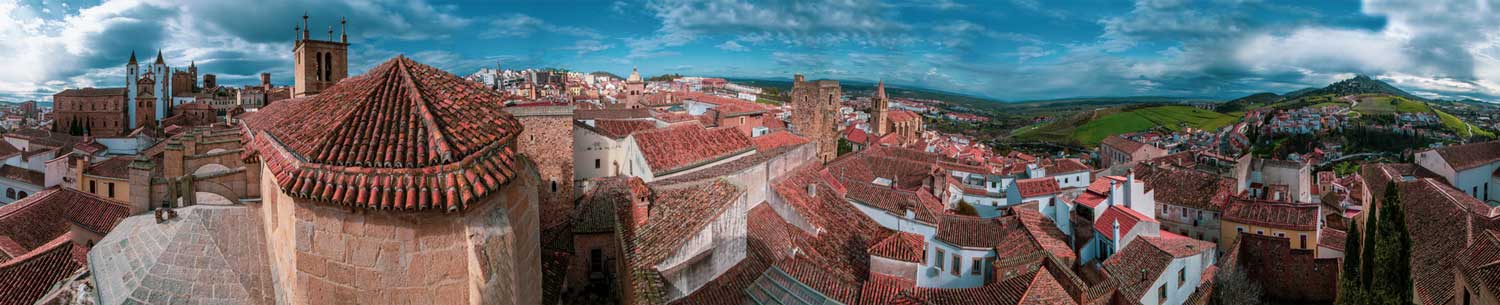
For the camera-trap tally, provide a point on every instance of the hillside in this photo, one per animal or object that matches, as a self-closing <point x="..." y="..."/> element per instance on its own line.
<point x="1248" y="102"/>
<point x="1091" y="127"/>
<point x="607" y="74"/>
<point x="1354" y="86"/>
<point x="890" y="90"/>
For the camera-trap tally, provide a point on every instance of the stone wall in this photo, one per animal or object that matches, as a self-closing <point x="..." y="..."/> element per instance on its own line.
<point x="547" y="138"/>
<point x="101" y="116"/>
<point x="324" y="253"/>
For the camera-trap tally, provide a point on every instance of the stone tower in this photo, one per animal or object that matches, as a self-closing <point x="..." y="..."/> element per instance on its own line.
<point x="815" y="108"/>
<point x="635" y="89"/>
<point x="879" y="106"/>
<point x="319" y="64"/>
<point x="132" y="76"/>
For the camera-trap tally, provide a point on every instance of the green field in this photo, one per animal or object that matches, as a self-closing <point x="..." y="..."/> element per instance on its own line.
<point x="1462" y="128"/>
<point x="1092" y="130"/>
<point x="1385" y="104"/>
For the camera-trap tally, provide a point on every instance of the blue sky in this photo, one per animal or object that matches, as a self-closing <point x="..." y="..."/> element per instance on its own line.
<point x="1003" y="49"/>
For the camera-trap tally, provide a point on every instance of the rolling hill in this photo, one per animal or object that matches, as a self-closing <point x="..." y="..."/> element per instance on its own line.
<point x="1091" y="127"/>
<point x="1354" y="86"/>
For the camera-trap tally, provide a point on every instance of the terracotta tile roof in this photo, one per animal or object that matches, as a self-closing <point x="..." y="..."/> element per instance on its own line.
<point x="1046" y="289"/>
<point x="1462" y="157"/>
<point x="1136" y="267"/>
<point x="969" y="231"/>
<point x="1434" y="212"/>
<point x="1332" y="238"/>
<point x="1479" y="264"/>
<point x="903" y="115"/>
<point x="1122" y="144"/>
<point x="1010" y="291"/>
<point x="726" y="106"/>
<point x="674" y="117"/>
<point x="6" y="149"/>
<point x="892" y="164"/>
<point x="1128" y="219"/>
<point x="44" y="137"/>
<point x="117" y="167"/>
<point x="1299" y="217"/>
<point x="92" y="92"/>
<point x="1044" y="233"/>
<point x="1097" y="191"/>
<point x="1036" y="187"/>
<point x="611" y="114"/>
<point x="856" y="135"/>
<point x="22" y="175"/>
<point x="402" y="136"/>
<point x="679" y="213"/>
<point x="27" y="278"/>
<point x="622" y="128"/>
<point x="777" y="139"/>
<point x="1068" y="165"/>
<point x="1184" y="187"/>
<point x="676" y="148"/>
<point x="596" y="209"/>
<point x="35" y="220"/>
<point x="901" y="246"/>
<point x="893" y="201"/>
<point x="881" y="289"/>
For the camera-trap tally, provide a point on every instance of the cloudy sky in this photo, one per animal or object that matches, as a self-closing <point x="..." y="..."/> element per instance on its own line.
<point x="1004" y="49"/>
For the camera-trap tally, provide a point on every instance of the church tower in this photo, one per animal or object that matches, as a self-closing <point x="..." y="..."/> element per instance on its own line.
<point x="162" y="88"/>
<point x="132" y="76"/>
<point x="815" y="105"/>
<point x="635" y="89"/>
<point x="319" y="64"/>
<point x="879" y="105"/>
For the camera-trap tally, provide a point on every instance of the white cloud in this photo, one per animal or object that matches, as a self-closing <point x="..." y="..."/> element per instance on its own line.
<point x="588" y="46"/>
<point x="732" y="46"/>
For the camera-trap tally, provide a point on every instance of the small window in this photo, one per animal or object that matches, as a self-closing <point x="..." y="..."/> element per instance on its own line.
<point x="22" y="195"/>
<point x="93" y="188"/>
<point x="596" y="260"/>
<point x="976" y="267"/>
<point x="1260" y="232"/>
<point x="1181" y="277"/>
<point x="956" y="265"/>
<point x="940" y="256"/>
<point x="597" y="164"/>
<point x="1161" y="294"/>
<point x="1303" y="237"/>
<point x="10" y="193"/>
<point x="554" y="186"/>
<point x="111" y="186"/>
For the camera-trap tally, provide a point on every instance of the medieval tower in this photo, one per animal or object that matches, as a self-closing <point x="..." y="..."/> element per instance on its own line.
<point x="879" y="106"/>
<point x="815" y="106"/>
<point x="319" y="63"/>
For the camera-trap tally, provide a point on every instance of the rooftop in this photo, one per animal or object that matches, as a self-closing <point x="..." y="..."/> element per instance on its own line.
<point x="676" y="148"/>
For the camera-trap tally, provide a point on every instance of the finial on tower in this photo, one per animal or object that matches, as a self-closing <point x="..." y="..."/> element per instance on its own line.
<point x="343" y="30"/>
<point x="330" y="33"/>
<point x="305" y="28"/>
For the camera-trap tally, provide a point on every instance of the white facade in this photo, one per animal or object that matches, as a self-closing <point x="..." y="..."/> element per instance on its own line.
<point x="1073" y="180"/>
<point x="15" y="190"/>
<point x="1482" y="182"/>
<point x="1180" y="279"/>
<point x="596" y="155"/>
<point x="952" y="266"/>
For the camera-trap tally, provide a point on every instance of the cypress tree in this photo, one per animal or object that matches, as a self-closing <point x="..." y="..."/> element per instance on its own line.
<point x="1392" y="254"/>
<point x="1351" y="291"/>
<point x="1367" y="259"/>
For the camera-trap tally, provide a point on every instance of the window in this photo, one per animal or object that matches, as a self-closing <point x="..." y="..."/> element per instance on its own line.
<point x="554" y="186"/>
<point x="940" y="256"/>
<point x="596" y="164"/>
<point x="1280" y="234"/>
<point x="956" y="265"/>
<point x="1239" y="229"/>
<point x="596" y="260"/>
<point x="1259" y="232"/>
<point x="975" y="267"/>
<point x="1304" y="240"/>
<point x="1161" y="294"/>
<point x="1181" y="277"/>
<point x="111" y="186"/>
<point x="93" y="188"/>
<point x="10" y="193"/>
<point x="22" y="195"/>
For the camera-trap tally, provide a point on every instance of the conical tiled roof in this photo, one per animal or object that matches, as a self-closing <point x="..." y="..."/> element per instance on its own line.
<point x="132" y="57"/>
<point x="404" y="135"/>
<point x="159" y="61"/>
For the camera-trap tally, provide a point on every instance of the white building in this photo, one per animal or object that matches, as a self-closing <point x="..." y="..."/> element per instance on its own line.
<point x="1162" y="269"/>
<point x="1472" y="168"/>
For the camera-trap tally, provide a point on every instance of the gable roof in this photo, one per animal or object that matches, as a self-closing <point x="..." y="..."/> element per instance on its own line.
<point x="777" y="139"/>
<point x="677" y="214"/>
<point x="970" y="231"/>
<point x="1186" y="188"/>
<point x="27" y="278"/>
<point x="901" y="246"/>
<point x="617" y="129"/>
<point x="1462" y="157"/>
<point x="1136" y="267"/>
<point x="1035" y="187"/>
<point x="1128" y="219"/>
<point x="676" y="148"/>
<point x="1299" y="217"/>
<point x="35" y="220"/>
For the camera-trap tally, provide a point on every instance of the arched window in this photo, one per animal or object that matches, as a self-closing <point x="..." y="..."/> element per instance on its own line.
<point x="10" y="193"/>
<point x="554" y="186"/>
<point x="21" y="195"/>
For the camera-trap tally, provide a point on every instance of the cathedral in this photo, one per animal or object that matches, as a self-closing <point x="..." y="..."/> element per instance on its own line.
<point x="150" y="96"/>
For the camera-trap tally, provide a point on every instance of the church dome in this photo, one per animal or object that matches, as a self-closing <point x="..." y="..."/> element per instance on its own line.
<point x="402" y="136"/>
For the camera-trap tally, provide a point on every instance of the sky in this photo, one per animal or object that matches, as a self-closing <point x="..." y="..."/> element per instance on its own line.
<point x="1003" y="49"/>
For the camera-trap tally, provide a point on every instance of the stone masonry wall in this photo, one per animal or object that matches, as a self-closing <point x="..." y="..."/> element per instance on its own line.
<point x="548" y="141"/>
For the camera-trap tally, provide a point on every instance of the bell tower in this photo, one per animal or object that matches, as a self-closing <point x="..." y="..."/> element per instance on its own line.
<point x="319" y="63"/>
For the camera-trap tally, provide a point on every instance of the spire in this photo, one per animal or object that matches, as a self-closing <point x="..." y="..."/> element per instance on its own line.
<point x="159" y="61"/>
<point x="192" y="64"/>
<point x="132" y="57"/>
<point x="305" y="35"/>
<point x="343" y="30"/>
<point x="880" y="90"/>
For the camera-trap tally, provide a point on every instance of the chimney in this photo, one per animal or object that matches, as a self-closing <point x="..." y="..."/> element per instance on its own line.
<point x="640" y="210"/>
<point x="1114" y="194"/>
<point x="812" y="190"/>
<point x="1116" y="236"/>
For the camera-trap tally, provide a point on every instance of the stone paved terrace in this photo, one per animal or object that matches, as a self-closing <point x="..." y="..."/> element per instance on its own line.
<point x="181" y="261"/>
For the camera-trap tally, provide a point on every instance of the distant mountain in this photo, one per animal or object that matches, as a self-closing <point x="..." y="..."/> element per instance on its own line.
<point x="1358" y="85"/>
<point x="1112" y="100"/>
<point x="1247" y="102"/>
<point x="866" y="88"/>
<point x="607" y="74"/>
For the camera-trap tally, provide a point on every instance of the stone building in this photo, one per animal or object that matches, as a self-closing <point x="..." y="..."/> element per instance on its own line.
<point x="95" y="111"/>
<point x="363" y="197"/>
<point x="320" y="64"/>
<point x="548" y="139"/>
<point x="815" y="108"/>
<point x="635" y="90"/>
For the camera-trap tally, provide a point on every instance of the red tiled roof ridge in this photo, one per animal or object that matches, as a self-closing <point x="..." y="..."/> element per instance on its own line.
<point x="675" y="148"/>
<point x="27" y="278"/>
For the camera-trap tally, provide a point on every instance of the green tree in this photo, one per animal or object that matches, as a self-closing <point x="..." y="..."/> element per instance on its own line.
<point x="1233" y="287"/>
<point x="1392" y="252"/>
<point x="1351" y="292"/>
<point x="1367" y="260"/>
<point x="845" y="147"/>
<point x="964" y="208"/>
